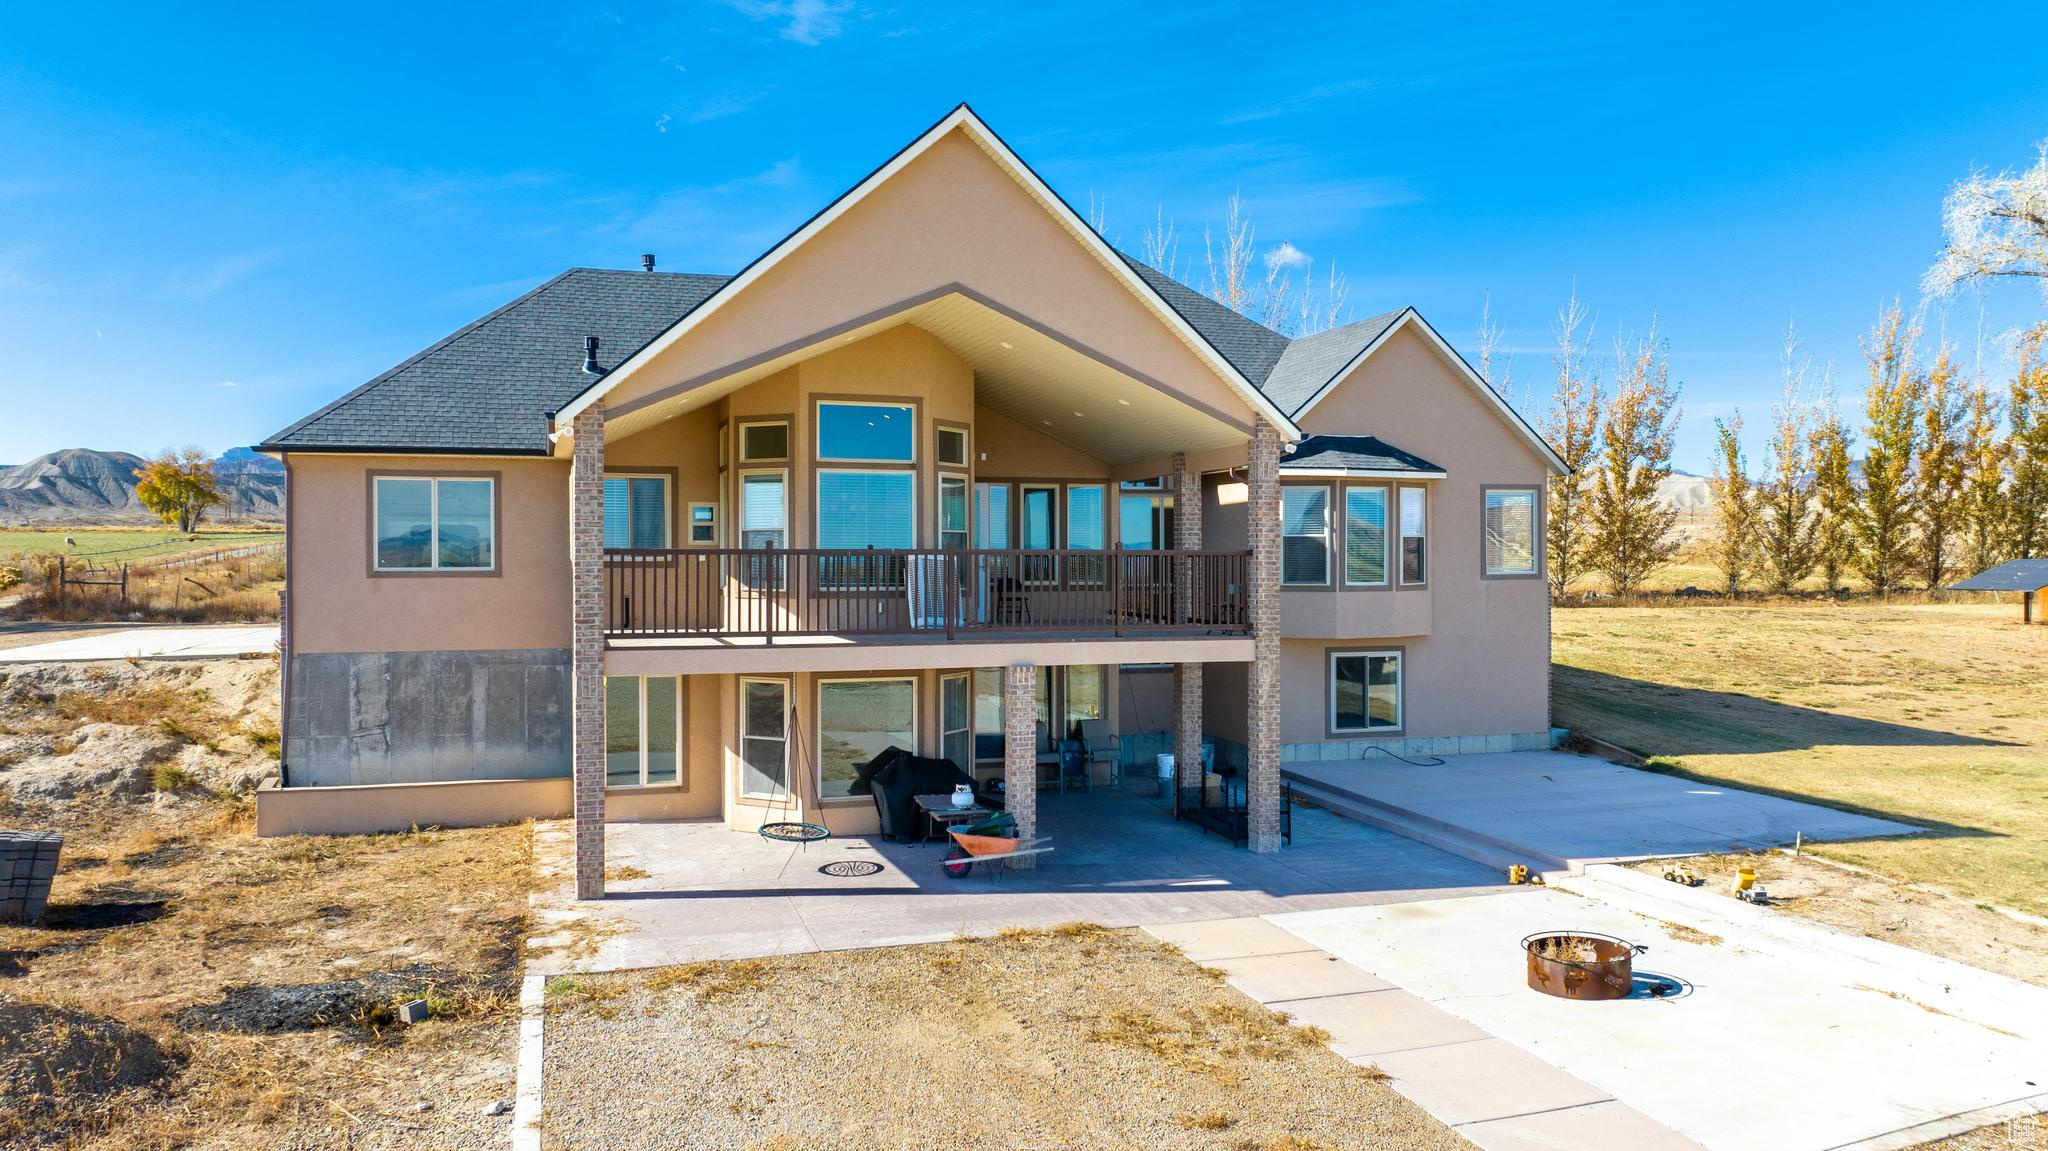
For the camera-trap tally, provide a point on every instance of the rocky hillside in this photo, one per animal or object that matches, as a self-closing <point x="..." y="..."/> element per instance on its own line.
<point x="80" y="485"/>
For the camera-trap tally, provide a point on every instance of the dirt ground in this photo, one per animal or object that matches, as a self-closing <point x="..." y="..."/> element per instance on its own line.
<point x="195" y="986"/>
<point x="1879" y="908"/>
<point x="1078" y="1037"/>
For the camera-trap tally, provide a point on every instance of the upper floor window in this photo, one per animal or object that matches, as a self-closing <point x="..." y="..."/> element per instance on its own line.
<point x="434" y="523"/>
<point x="703" y="523"/>
<point x="1414" y="505"/>
<point x="635" y="511"/>
<point x="1365" y="534"/>
<point x="1304" y="535"/>
<point x="764" y="442"/>
<point x="868" y="433"/>
<point x="1511" y="541"/>
<point x="952" y="447"/>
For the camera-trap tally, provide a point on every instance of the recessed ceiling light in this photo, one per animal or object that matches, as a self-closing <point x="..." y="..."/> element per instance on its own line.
<point x="1047" y="423"/>
<point x="1124" y="402"/>
<point x="1079" y="416"/>
<point x="1006" y="343"/>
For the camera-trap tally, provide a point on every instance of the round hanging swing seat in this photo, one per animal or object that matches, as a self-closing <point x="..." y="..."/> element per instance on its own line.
<point x="795" y="832"/>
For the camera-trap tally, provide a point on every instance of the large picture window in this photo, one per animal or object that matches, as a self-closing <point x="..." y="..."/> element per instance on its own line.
<point x="1511" y="542"/>
<point x="863" y="510"/>
<point x="642" y="730"/>
<point x="1304" y="535"/>
<point x="858" y="719"/>
<point x="434" y="523"/>
<point x="1414" y="535"/>
<point x="635" y="511"/>
<point x="1365" y="534"/>
<point x="764" y="738"/>
<point x="1365" y="691"/>
<point x="868" y="433"/>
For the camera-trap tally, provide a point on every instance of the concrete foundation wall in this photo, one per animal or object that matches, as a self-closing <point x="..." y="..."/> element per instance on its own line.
<point x="416" y="717"/>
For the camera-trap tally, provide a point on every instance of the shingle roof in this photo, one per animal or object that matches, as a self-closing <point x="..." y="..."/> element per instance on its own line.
<point x="2012" y="575"/>
<point x="491" y="386"/>
<point x="1313" y="361"/>
<point x="1353" y="453"/>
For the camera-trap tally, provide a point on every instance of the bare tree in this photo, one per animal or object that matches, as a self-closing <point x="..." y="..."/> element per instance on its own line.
<point x="1938" y="486"/>
<point x="1632" y="532"/>
<point x="1162" y="244"/>
<point x="1229" y="282"/>
<point x="1883" y="526"/>
<point x="1788" y="524"/>
<point x="1573" y="428"/>
<point x="1736" y="512"/>
<point x="1994" y="227"/>
<point x="1983" y="515"/>
<point x="1490" y="336"/>
<point x="1336" y="296"/>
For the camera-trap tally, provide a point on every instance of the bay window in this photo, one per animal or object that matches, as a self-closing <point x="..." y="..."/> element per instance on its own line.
<point x="1414" y="503"/>
<point x="1304" y="535"/>
<point x="1365" y="534"/>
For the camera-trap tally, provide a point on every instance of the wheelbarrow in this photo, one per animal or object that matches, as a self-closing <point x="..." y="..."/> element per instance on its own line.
<point x="989" y="850"/>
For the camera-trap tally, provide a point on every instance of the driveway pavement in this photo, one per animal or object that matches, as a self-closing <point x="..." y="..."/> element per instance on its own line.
<point x="1566" y="811"/>
<point x="150" y="643"/>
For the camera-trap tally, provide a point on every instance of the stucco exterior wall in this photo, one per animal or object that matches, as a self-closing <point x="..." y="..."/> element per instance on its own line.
<point x="951" y="216"/>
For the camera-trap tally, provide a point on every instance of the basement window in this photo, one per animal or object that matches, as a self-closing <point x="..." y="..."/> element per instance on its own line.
<point x="642" y="730"/>
<point x="1365" y="691"/>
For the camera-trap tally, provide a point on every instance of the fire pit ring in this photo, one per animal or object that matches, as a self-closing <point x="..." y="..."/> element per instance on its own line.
<point x="1583" y="965"/>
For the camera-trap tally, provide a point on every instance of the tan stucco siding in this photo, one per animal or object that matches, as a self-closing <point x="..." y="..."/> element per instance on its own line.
<point x="338" y="606"/>
<point x="1017" y="451"/>
<point x="951" y="216"/>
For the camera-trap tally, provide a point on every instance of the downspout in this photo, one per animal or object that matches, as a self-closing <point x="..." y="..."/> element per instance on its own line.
<point x="284" y="635"/>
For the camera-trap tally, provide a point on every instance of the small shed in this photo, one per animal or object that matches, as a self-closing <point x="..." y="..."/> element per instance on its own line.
<point x="2026" y="577"/>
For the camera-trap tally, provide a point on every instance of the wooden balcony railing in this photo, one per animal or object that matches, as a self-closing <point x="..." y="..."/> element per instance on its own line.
<point x="733" y="592"/>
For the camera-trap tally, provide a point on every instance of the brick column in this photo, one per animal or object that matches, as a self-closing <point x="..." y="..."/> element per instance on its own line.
<point x="586" y="656"/>
<point x="1020" y="750"/>
<point x="1262" y="729"/>
<point x="1187" y="677"/>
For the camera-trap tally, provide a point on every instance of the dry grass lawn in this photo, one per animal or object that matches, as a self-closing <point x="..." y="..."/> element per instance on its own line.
<point x="259" y="977"/>
<point x="1077" y="1037"/>
<point x="1929" y="713"/>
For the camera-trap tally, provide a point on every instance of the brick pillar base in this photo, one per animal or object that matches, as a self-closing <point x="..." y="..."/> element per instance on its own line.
<point x="586" y="656"/>
<point x="1262" y="731"/>
<point x="1020" y="751"/>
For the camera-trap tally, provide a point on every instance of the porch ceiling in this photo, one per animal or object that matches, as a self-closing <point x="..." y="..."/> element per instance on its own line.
<point x="1028" y="374"/>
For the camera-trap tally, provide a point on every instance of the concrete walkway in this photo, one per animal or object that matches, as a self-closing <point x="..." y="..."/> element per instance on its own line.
<point x="1784" y="1034"/>
<point x="151" y="643"/>
<point x="700" y="891"/>
<point x="1557" y="811"/>
<point x="1497" y="1095"/>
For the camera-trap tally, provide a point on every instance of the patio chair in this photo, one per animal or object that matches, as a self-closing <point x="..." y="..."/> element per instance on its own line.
<point x="1074" y="770"/>
<point x="1101" y="745"/>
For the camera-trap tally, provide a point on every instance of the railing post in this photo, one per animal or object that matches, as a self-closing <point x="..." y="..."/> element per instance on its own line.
<point x="1116" y="587"/>
<point x="949" y="587"/>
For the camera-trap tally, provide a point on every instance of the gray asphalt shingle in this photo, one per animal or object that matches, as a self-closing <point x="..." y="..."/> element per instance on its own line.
<point x="1356" y="453"/>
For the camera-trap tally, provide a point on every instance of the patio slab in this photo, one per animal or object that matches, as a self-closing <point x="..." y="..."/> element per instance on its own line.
<point x="1483" y="1079"/>
<point x="1575" y="810"/>
<point x="1207" y="941"/>
<point x="1374" y="1023"/>
<point x="1278" y="980"/>
<point x="150" y="643"/>
<point x="1120" y="860"/>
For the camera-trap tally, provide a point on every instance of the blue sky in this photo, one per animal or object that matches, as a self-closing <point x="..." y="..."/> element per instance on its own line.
<point x="212" y="222"/>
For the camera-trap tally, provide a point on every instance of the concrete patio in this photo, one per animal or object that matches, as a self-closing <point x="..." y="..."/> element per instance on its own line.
<point x="1120" y="860"/>
<point x="151" y="643"/>
<point x="1563" y="812"/>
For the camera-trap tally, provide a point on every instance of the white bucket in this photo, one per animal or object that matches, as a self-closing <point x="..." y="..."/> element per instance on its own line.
<point x="1166" y="765"/>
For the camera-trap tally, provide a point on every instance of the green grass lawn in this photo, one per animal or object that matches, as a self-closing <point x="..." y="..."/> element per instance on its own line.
<point x="1929" y="713"/>
<point x="129" y="544"/>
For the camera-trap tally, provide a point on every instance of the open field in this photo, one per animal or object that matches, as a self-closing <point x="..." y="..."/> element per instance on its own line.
<point x="1075" y="1036"/>
<point x="128" y="544"/>
<point x="1926" y="713"/>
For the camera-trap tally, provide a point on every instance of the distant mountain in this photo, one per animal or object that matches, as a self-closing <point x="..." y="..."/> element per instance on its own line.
<point x="80" y="485"/>
<point x="1684" y="491"/>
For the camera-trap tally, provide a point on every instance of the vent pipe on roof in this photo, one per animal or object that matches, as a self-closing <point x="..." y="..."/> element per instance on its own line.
<point x="647" y="261"/>
<point x="590" y="356"/>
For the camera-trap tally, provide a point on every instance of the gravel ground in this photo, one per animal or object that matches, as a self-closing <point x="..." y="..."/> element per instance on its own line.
<point x="1074" y="1037"/>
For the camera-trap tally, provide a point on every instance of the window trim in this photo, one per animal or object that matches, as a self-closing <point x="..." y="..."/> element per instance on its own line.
<point x="1399" y="553"/>
<point x="497" y="567"/>
<point x="818" y="403"/>
<point x="780" y="568"/>
<point x="682" y="779"/>
<point x="740" y="737"/>
<point x="939" y="429"/>
<point x="1388" y="511"/>
<point x="1329" y="534"/>
<point x="668" y="477"/>
<point x="817" y="764"/>
<point x="740" y="438"/>
<point x="1330" y="657"/>
<point x="966" y="678"/>
<point x="826" y="586"/>
<point x="1537" y="547"/>
<point x="939" y="531"/>
<point x="690" y="524"/>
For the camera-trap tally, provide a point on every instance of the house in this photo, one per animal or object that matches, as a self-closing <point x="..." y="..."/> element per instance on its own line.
<point x="940" y="470"/>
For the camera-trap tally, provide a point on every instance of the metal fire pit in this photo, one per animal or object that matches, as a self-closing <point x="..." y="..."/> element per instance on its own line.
<point x="1581" y="964"/>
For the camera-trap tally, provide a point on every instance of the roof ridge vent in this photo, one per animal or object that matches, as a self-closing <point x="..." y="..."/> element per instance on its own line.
<point x="590" y="356"/>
